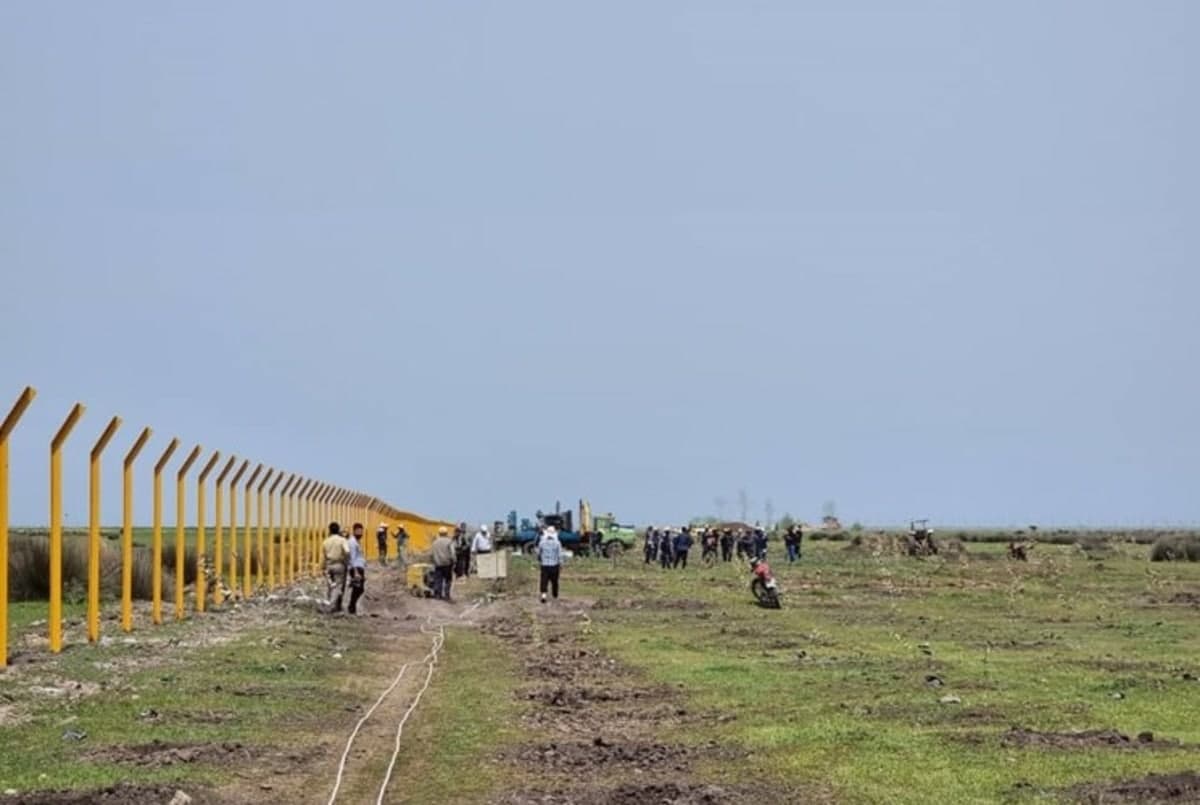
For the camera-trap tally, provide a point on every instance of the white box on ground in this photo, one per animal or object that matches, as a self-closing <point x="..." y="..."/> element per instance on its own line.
<point x="492" y="565"/>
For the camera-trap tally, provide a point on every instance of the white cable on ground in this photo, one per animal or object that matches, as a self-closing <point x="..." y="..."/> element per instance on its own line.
<point x="346" y="754"/>
<point x="431" y="658"/>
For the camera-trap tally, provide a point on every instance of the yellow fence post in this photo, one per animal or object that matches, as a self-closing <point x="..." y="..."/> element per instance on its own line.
<point x="272" y="534"/>
<point x="6" y="427"/>
<point x="93" y="612"/>
<point x="303" y="541"/>
<point x="156" y="569"/>
<point x="201" y="537"/>
<point x="247" y="569"/>
<point x="56" y="445"/>
<point x="181" y="532"/>
<point x="219" y="536"/>
<point x="285" y="553"/>
<point x="233" y="531"/>
<point x="127" y="529"/>
<point x="258" y="522"/>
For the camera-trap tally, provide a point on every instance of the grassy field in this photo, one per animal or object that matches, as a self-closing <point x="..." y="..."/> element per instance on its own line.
<point x="845" y="684"/>
<point x="882" y="679"/>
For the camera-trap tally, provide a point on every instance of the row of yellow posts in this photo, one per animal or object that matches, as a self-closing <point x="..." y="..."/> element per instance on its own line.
<point x="291" y="550"/>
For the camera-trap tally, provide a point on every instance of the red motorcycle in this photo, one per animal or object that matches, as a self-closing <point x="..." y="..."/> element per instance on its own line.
<point x="763" y="585"/>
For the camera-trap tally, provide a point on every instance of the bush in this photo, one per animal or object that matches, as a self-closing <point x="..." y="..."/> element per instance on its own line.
<point x="1178" y="548"/>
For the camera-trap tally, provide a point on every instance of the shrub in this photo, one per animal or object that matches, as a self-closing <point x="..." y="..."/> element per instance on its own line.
<point x="1176" y="549"/>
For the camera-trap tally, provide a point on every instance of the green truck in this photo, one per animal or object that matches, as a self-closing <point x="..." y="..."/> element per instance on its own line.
<point x="603" y="530"/>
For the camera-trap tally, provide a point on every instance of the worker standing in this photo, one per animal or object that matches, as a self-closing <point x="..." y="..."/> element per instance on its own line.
<point x="683" y="544"/>
<point x="482" y="542"/>
<point x="381" y="540"/>
<point x="401" y="542"/>
<point x="337" y="553"/>
<point x="727" y="545"/>
<point x="462" y="552"/>
<point x="549" y="551"/>
<point x="666" y="549"/>
<point x="358" y="567"/>
<point x="443" y="564"/>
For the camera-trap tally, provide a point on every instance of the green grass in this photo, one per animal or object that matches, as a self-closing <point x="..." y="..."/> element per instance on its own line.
<point x="285" y="670"/>
<point x="831" y="689"/>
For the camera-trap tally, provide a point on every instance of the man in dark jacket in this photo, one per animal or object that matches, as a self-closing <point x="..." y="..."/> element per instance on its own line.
<point x="727" y="545"/>
<point x="666" y="549"/>
<point x="683" y="544"/>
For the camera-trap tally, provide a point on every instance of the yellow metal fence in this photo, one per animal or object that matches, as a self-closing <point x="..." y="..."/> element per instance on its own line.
<point x="286" y="550"/>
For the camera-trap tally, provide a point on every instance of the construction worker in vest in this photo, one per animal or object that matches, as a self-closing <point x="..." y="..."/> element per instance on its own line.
<point x="549" y="552"/>
<point x="336" y="551"/>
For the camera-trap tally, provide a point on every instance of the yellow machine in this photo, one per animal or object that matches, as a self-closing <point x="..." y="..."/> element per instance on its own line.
<point x="414" y="578"/>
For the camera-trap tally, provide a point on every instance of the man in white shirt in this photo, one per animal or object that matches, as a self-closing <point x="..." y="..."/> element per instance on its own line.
<point x="482" y="542"/>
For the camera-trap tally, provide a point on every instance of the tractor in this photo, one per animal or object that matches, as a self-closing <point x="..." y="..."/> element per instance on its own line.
<point x="920" y="541"/>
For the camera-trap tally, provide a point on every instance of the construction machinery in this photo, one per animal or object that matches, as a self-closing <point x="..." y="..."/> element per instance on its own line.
<point x="920" y="539"/>
<point x="523" y="534"/>
<point x="602" y="533"/>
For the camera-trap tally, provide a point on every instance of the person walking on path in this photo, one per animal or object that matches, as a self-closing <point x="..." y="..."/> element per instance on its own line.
<point x="443" y="564"/>
<point x="549" y="551"/>
<point x="381" y="540"/>
<point x="337" y="553"/>
<point x="358" y="567"/>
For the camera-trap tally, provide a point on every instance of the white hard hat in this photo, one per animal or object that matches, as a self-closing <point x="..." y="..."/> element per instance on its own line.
<point x="483" y="528"/>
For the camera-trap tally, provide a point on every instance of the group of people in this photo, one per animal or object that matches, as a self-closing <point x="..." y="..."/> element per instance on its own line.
<point x="345" y="561"/>
<point x="451" y="557"/>
<point x="670" y="547"/>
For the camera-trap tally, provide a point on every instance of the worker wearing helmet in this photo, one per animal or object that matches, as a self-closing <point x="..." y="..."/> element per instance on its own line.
<point x="381" y="540"/>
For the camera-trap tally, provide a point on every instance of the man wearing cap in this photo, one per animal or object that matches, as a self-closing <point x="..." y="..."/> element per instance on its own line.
<point x="443" y="564"/>
<point x="549" y="552"/>
<point x="337" y="554"/>
<point x="381" y="539"/>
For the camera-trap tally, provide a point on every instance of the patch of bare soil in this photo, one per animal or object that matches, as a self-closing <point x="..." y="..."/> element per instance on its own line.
<point x="158" y="754"/>
<point x="594" y="724"/>
<point x="1149" y="790"/>
<point x="123" y="794"/>
<point x="659" y="794"/>
<point x="1023" y="738"/>
<point x="682" y="604"/>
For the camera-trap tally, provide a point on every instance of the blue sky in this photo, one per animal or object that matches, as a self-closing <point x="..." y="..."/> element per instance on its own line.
<point x="921" y="259"/>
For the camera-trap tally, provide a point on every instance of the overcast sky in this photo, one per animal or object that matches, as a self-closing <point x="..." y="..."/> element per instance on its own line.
<point x="922" y="259"/>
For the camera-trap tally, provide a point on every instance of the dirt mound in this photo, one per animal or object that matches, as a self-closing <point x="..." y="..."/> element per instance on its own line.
<point x="1155" y="788"/>
<point x="659" y="794"/>
<point x="559" y="696"/>
<point x="1190" y="599"/>
<point x="1020" y="737"/>
<point x="158" y="754"/>
<point x="682" y="604"/>
<point x="123" y="794"/>
<point x="600" y="755"/>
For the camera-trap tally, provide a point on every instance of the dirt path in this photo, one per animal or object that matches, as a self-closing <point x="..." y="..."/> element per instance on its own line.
<point x="596" y="729"/>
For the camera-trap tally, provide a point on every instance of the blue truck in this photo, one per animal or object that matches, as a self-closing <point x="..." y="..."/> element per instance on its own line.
<point x="522" y="534"/>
